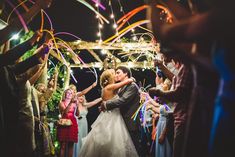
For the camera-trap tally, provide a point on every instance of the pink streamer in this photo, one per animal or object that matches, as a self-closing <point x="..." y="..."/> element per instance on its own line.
<point x="19" y="16"/>
<point x="99" y="4"/>
<point x="67" y="33"/>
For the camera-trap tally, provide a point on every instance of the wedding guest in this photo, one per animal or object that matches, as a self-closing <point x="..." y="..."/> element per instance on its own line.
<point x="68" y="135"/>
<point x="179" y="94"/>
<point x="82" y="107"/>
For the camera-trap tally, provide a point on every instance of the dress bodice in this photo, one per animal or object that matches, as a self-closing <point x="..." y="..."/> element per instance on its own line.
<point x="83" y="113"/>
<point x="71" y="110"/>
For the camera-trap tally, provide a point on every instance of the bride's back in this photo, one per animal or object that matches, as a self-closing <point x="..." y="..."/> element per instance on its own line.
<point x="107" y="93"/>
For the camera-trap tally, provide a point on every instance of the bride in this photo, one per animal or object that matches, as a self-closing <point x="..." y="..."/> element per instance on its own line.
<point x="109" y="136"/>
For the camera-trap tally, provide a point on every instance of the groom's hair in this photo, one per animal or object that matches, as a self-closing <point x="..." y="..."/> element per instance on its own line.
<point x="125" y="70"/>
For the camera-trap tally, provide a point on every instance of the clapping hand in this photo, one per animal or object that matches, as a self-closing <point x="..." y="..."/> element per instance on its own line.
<point x="74" y="99"/>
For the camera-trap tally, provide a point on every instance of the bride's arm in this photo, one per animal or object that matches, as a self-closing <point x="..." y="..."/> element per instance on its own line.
<point x="93" y="103"/>
<point x="85" y="91"/>
<point x="118" y="85"/>
<point x="128" y="96"/>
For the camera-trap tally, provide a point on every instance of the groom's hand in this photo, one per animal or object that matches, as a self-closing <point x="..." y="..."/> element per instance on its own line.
<point x="102" y="107"/>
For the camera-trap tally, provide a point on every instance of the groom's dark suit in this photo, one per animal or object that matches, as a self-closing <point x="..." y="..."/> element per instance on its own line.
<point x="128" y="102"/>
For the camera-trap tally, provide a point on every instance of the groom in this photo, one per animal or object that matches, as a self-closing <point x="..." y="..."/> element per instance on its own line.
<point x="128" y="102"/>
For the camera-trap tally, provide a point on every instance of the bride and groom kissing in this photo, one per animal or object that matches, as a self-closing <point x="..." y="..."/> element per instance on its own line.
<point x="114" y="133"/>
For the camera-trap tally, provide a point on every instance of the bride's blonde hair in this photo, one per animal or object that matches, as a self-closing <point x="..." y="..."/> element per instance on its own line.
<point x="107" y="77"/>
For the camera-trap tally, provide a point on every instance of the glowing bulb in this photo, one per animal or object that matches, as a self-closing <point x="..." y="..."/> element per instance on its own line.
<point x="103" y="51"/>
<point x="134" y="38"/>
<point x="129" y="64"/>
<point x="97" y="16"/>
<point x="100" y="26"/>
<point x="133" y="30"/>
<point x="115" y="25"/>
<point x="111" y="16"/>
<point x="97" y="5"/>
<point x="15" y="36"/>
<point x="98" y="34"/>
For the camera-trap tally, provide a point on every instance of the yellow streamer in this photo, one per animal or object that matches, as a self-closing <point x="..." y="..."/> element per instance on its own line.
<point x="128" y="27"/>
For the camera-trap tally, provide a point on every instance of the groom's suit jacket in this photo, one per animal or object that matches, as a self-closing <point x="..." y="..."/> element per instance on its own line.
<point x="128" y="102"/>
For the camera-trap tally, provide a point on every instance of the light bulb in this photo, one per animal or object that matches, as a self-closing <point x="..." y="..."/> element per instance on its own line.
<point x="15" y="36"/>
<point x="115" y="25"/>
<point x="111" y="16"/>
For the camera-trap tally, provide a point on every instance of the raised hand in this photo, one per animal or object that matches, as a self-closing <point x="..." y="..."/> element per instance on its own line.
<point x="35" y="38"/>
<point x="42" y="52"/>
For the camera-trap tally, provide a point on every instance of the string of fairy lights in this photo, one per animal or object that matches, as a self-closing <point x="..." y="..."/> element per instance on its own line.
<point x="116" y="25"/>
<point x="128" y="23"/>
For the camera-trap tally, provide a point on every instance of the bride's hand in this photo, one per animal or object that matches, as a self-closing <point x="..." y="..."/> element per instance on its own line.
<point x="131" y="79"/>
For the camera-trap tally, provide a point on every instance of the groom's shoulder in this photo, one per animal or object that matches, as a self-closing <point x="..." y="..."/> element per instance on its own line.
<point x="133" y="85"/>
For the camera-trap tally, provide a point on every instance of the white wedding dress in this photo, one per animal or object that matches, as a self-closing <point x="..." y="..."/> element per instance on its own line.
<point x="108" y="137"/>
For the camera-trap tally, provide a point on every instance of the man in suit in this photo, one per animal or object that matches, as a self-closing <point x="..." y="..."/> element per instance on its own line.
<point x="128" y="102"/>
